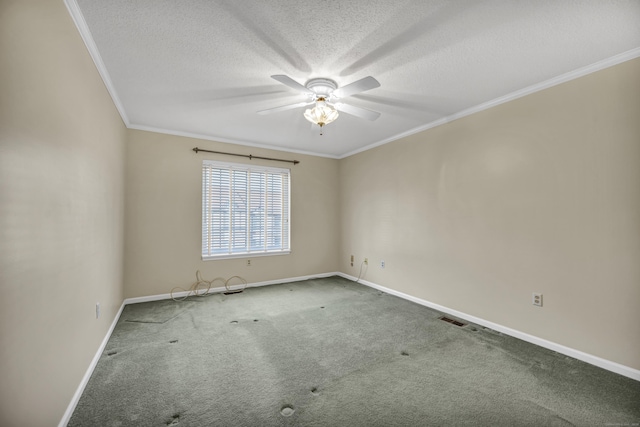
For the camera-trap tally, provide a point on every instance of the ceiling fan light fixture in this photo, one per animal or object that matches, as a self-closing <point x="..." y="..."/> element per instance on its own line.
<point x="321" y="114"/>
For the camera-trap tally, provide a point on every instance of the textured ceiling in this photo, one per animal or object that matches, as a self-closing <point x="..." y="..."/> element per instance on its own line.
<point x="202" y="68"/>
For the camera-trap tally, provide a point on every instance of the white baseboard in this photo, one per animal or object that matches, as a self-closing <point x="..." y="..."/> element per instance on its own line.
<point x="576" y="354"/>
<point x="76" y="397"/>
<point x="223" y="289"/>
<point x="567" y="351"/>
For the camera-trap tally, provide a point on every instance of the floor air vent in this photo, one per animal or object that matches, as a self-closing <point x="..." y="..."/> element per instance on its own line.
<point x="452" y="321"/>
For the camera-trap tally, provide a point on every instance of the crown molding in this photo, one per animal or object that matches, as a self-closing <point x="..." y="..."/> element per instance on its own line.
<point x="563" y="78"/>
<point x="229" y="141"/>
<point x="85" y="33"/>
<point x="89" y="42"/>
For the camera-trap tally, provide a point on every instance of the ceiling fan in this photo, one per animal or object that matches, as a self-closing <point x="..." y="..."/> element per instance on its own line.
<point x="326" y="96"/>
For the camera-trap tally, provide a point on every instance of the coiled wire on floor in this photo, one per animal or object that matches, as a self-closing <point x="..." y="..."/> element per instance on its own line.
<point x="202" y="287"/>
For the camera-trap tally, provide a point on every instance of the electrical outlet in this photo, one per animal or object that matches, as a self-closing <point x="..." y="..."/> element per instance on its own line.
<point x="352" y="260"/>
<point x="537" y="299"/>
<point x="366" y="261"/>
<point x="97" y="310"/>
<point x="248" y="263"/>
<point x="382" y="264"/>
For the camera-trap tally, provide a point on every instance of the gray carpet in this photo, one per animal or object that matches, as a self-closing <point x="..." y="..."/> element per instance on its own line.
<point x="330" y="352"/>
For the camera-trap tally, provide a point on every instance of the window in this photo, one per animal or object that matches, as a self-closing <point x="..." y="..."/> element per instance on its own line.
<point x="245" y="210"/>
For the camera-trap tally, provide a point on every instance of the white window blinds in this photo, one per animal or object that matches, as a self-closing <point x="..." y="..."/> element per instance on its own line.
<point x="245" y="210"/>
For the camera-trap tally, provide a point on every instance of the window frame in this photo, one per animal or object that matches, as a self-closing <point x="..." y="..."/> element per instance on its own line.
<point x="284" y="202"/>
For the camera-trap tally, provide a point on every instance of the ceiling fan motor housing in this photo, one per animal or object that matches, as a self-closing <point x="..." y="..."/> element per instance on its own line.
<point x="321" y="87"/>
<point x="324" y="93"/>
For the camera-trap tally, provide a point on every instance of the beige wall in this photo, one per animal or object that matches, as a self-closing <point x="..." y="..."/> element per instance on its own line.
<point x="541" y="194"/>
<point x="61" y="211"/>
<point x="163" y="211"/>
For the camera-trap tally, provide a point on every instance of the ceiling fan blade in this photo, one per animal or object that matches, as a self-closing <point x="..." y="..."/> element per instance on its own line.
<point x="285" y="107"/>
<point x="288" y="81"/>
<point x="363" y="113"/>
<point x="358" y="86"/>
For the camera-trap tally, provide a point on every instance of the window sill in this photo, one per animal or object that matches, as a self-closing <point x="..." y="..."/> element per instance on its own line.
<point x="245" y="255"/>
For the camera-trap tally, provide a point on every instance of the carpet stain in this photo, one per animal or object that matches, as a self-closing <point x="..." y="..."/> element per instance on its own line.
<point x="255" y="320"/>
<point x="560" y="421"/>
<point x="287" y="410"/>
<point x="173" y="341"/>
<point x="150" y="321"/>
<point x="362" y="388"/>
<point x="538" y="364"/>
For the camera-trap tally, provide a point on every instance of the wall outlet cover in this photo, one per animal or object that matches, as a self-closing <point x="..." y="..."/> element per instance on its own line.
<point x="537" y="299"/>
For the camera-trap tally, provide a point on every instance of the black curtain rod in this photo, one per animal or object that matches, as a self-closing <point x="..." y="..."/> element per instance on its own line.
<point x="249" y="156"/>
